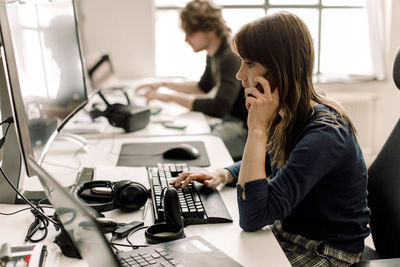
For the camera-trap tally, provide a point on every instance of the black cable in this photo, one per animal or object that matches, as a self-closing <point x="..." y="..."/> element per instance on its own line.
<point x="131" y="233"/>
<point x="125" y="245"/>
<point x="113" y="244"/>
<point x="9" y="120"/>
<point x="21" y="210"/>
<point x="26" y="200"/>
<point x="40" y="223"/>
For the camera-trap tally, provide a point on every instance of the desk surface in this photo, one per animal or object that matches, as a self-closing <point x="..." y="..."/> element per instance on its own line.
<point x="64" y="160"/>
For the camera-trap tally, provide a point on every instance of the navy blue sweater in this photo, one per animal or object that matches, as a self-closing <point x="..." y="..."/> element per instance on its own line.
<point x="320" y="192"/>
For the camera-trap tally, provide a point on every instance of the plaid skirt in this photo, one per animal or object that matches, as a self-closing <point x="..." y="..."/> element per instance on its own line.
<point x="302" y="251"/>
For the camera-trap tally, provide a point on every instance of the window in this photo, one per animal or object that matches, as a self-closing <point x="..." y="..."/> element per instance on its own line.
<point x="339" y="29"/>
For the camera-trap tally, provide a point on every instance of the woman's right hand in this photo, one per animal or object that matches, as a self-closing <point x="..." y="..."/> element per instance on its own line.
<point x="149" y="87"/>
<point x="209" y="178"/>
<point x="262" y="106"/>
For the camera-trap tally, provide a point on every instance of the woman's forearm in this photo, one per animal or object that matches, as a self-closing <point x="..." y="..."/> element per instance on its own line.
<point x="253" y="160"/>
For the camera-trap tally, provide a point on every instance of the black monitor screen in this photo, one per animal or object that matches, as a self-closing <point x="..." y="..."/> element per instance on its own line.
<point x="46" y="53"/>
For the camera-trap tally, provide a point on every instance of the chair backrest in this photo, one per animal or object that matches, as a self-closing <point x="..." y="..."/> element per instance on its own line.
<point x="384" y="190"/>
<point x="384" y="197"/>
<point x="396" y="70"/>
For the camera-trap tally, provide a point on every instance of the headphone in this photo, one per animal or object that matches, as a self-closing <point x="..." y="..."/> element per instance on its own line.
<point x="172" y="229"/>
<point x="125" y="195"/>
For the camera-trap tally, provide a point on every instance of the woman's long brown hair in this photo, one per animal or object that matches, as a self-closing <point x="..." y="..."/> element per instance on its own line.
<point x="282" y="43"/>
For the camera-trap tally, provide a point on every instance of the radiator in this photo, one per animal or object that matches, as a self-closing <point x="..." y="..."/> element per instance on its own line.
<point x="361" y="109"/>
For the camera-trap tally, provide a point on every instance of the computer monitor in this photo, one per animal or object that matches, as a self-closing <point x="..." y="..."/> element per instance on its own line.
<point x="45" y="70"/>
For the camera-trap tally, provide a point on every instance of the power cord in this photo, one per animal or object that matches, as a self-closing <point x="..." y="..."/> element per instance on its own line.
<point x="20" y="210"/>
<point x="38" y="224"/>
<point x="9" y="121"/>
<point x="131" y="233"/>
<point x="41" y="221"/>
<point x="113" y="244"/>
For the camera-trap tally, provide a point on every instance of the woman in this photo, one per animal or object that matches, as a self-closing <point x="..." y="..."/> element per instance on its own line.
<point x="302" y="169"/>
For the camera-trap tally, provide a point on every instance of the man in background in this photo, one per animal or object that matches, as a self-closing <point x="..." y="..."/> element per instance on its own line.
<point x="205" y="29"/>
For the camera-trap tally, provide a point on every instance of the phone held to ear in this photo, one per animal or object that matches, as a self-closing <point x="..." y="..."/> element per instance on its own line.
<point x="271" y="81"/>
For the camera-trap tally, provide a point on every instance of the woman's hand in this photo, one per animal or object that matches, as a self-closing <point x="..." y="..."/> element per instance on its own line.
<point x="210" y="178"/>
<point x="148" y="87"/>
<point x="262" y="107"/>
<point x="155" y="95"/>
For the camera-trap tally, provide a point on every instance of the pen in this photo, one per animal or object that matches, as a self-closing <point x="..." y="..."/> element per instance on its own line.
<point x="43" y="256"/>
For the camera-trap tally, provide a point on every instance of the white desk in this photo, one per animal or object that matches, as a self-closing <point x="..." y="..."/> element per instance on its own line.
<point x="250" y="249"/>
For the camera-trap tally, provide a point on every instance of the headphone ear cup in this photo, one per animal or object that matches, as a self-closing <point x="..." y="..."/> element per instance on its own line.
<point x="100" y="204"/>
<point x="129" y="195"/>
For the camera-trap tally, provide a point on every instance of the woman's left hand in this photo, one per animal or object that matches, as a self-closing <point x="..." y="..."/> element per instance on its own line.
<point x="262" y="107"/>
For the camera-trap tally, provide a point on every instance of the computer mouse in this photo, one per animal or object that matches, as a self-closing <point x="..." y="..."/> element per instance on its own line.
<point x="182" y="151"/>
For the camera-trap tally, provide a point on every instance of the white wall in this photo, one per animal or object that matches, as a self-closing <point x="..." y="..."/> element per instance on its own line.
<point x="387" y="108"/>
<point x="122" y="28"/>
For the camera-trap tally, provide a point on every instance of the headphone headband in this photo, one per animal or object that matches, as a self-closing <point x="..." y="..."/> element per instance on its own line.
<point x="153" y="235"/>
<point x="127" y="195"/>
<point x="173" y="228"/>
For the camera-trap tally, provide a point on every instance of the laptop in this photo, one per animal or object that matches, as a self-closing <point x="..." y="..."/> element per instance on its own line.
<point x="102" y="75"/>
<point x="92" y="245"/>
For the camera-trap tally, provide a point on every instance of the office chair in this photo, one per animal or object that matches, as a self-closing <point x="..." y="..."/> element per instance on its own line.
<point x="384" y="198"/>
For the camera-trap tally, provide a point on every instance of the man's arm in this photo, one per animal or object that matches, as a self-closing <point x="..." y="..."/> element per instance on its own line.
<point x="190" y="87"/>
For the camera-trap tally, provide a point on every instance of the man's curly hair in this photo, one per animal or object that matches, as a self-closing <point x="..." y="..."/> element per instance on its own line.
<point x="202" y="15"/>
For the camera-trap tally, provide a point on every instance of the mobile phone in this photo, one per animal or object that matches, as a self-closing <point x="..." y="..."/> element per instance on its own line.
<point x="271" y="81"/>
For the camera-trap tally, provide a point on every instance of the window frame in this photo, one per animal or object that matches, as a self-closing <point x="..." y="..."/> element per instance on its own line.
<point x="318" y="76"/>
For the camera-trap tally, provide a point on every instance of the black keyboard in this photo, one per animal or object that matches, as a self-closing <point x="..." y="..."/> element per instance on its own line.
<point x="199" y="204"/>
<point x="148" y="257"/>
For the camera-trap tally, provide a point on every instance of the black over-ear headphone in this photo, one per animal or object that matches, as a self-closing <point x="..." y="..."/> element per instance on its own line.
<point x="172" y="229"/>
<point x="125" y="195"/>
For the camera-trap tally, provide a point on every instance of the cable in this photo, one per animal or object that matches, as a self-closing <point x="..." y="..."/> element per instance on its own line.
<point x="125" y="245"/>
<point x="26" y="200"/>
<point x="21" y="210"/>
<point x="131" y="233"/>
<point x="9" y="120"/>
<point x="40" y="223"/>
<point x="113" y="244"/>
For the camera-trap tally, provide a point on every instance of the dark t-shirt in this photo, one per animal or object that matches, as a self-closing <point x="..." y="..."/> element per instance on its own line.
<point x="221" y="69"/>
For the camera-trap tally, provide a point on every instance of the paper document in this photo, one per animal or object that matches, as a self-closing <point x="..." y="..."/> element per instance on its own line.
<point x="119" y="173"/>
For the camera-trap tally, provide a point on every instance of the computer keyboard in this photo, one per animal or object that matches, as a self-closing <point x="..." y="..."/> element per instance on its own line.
<point x="151" y="257"/>
<point x="199" y="204"/>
